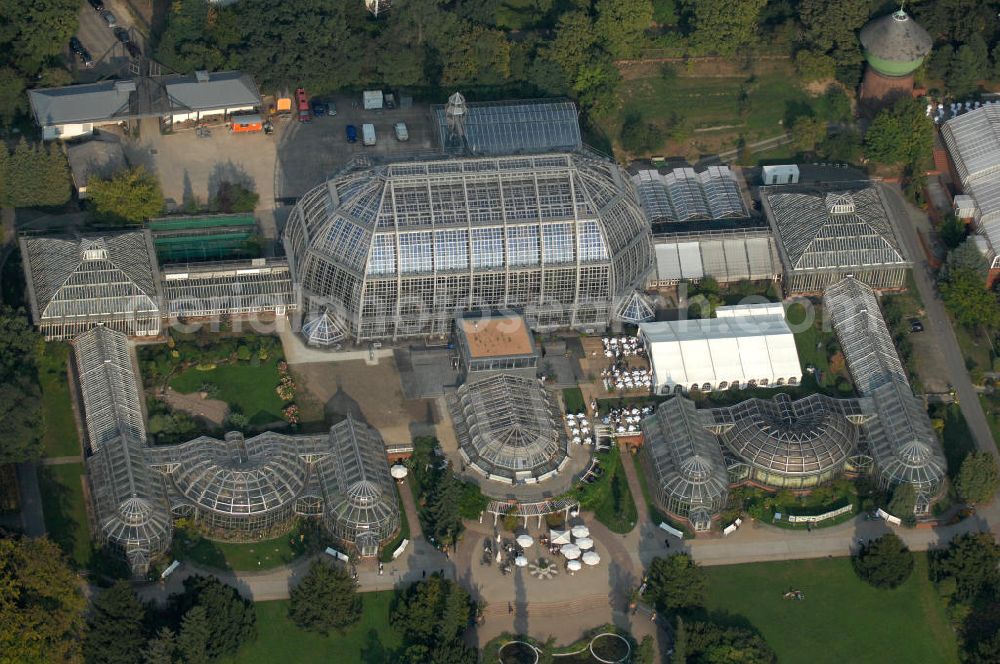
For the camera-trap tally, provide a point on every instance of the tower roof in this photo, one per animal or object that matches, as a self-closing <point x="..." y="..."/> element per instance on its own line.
<point x="896" y="37"/>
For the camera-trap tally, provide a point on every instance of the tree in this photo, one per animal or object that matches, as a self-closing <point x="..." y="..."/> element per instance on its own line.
<point x="114" y="634"/>
<point x="326" y="599"/>
<point x="41" y="603"/>
<point x="939" y="63"/>
<point x="33" y="33"/>
<point x="723" y="26"/>
<point x="234" y="197"/>
<point x="969" y="565"/>
<point x="963" y="288"/>
<point x="904" y="499"/>
<point x="431" y="613"/>
<point x="952" y="231"/>
<point x="639" y="136"/>
<point x="129" y="197"/>
<point x="901" y="135"/>
<point x="676" y="583"/>
<point x="833" y="26"/>
<point x="20" y="397"/>
<point x="645" y="653"/>
<point x="680" y="643"/>
<point x="229" y="619"/>
<point x="711" y="643"/>
<point x="978" y="478"/>
<point x="195" y="636"/>
<point x="162" y="649"/>
<point x="815" y="66"/>
<point x="442" y="512"/>
<point x="36" y="176"/>
<point x="885" y="562"/>
<point x="807" y="132"/>
<point x="622" y="24"/>
<point x="968" y="66"/>
<point x="13" y="98"/>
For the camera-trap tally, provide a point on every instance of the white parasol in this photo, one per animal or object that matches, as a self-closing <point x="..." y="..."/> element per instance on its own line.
<point x="521" y="561"/>
<point x="574" y="566"/>
<point x="524" y="541"/>
<point x="398" y="471"/>
<point x="591" y="558"/>
<point x="559" y="536"/>
<point x="585" y="543"/>
<point x="571" y="551"/>
<point x="581" y="531"/>
<point x="499" y="557"/>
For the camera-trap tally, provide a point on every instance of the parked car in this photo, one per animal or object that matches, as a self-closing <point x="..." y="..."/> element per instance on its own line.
<point x="97" y="5"/>
<point x="121" y="34"/>
<point x="133" y="49"/>
<point x="916" y="325"/>
<point x="402" y="134"/>
<point x="331" y="109"/>
<point x="352" y="134"/>
<point x="319" y="109"/>
<point x="302" y="102"/>
<point x="77" y="47"/>
<point x="109" y="18"/>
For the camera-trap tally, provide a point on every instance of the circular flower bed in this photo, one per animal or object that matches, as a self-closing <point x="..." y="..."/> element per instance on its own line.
<point x="518" y="652"/>
<point x="610" y="648"/>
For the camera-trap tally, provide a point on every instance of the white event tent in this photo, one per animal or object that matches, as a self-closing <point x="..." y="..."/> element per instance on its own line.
<point x="745" y="345"/>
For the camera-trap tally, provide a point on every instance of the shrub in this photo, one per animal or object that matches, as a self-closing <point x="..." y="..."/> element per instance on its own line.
<point x="885" y="562"/>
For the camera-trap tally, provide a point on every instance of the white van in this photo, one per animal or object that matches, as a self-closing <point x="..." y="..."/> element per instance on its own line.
<point x="368" y="134"/>
<point x="402" y="134"/>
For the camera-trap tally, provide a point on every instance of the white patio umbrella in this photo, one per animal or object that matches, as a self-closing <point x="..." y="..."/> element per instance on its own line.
<point x="499" y="557"/>
<point x="521" y="561"/>
<point x="591" y="558"/>
<point x="574" y="566"/>
<point x="559" y="536"/>
<point x="585" y="543"/>
<point x="524" y="541"/>
<point x="571" y="551"/>
<point x="581" y="531"/>
<point x="398" y="471"/>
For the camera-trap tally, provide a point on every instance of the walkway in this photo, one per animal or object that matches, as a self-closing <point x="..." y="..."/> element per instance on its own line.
<point x="939" y="323"/>
<point x="32" y="518"/>
<point x="61" y="461"/>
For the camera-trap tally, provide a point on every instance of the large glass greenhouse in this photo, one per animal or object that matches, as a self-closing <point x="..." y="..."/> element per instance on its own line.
<point x="684" y="462"/>
<point x="509" y="429"/>
<point x="74" y="285"/>
<point x="130" y="501"/>
<point x="824" y="236"/>
<point x="792" y="444"/>
<point x="399" y="250"/>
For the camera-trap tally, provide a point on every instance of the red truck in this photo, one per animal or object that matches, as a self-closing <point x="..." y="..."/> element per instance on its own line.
<point x="305" y="115"/>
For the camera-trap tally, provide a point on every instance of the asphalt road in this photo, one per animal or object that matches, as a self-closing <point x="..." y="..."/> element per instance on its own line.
<point x="938" y="322"/>
<point x="108" y="53"/>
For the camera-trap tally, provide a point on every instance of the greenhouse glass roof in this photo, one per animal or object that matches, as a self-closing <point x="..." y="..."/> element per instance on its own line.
<point x="513" y="127"/>
<point x="805" y="437"/>
<point x="509" y="427"/>
<point x="833" y="231"/>
<point x="684" y="195"/>
<point x="686" y="458"/>
<point x="973" y="140"/>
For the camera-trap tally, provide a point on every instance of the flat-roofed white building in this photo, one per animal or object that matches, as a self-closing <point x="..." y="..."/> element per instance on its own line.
<point x="746" y="346"/>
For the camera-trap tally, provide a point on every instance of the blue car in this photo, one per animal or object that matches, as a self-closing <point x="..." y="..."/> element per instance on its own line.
<point x="352" y="134"/>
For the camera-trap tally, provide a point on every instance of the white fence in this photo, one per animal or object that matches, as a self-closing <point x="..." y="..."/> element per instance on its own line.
<point x="400" y="549"/>
<point x="330" y="551"/>
<point x="894" y="520"/>
<point x="820" y="517"/>
<point x="673" y="531"/>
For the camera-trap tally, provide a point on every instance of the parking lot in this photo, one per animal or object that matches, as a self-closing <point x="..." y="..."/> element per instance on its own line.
<point x="108" y="53"/>
<point x="309" y="153"/>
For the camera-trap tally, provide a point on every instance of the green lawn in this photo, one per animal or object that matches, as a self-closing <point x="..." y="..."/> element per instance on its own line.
<point x="842" y="619"/>
<point x="59" y="436"/>
<point x="385" y="555"/>
<point x="242" y="384"/>
<point x="266" y="554"/>
<point x="956" y="437"/>
<point x="573" y="400"/>
<point x="991" y="407"/>
<point x="975" y="348"/>
<point x="371" y="640"/>
<point x="65" y="512"/>
<point x="609" y="497"/>
<point x="713" y="103"/>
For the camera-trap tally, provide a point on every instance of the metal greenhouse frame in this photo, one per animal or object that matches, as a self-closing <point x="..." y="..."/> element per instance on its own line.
<point x="398" y="251"/>
<point x="509" y="429"/>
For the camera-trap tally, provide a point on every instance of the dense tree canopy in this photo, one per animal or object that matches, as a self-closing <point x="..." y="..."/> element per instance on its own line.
<point x="620" y="23"/>
<point x="326" y="599"/>
<point x="978" y="478"/>
<point x="711" y="643"/>
<point x="963" y="288"/>
<point x="832" y="27"/>
<point x="885" y="562"/>
<point x="901" y="135"/>
<point x="34" y="175"/>
<point x="114" y="627"/>
<point x="968" y="566"/>
<point x="432" y="615"/>
<point x="676" y="583"/>
<point x="724" y="26"/>
<point x="129" y="197"/>
<point x="215" y="613"/>
<point x="41" y="604"/>
<point x="20" y="397"/>
<point x="902" y="501"/>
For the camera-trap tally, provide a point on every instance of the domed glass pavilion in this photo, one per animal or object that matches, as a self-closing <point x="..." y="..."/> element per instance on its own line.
<point x="399" y="250"/>
<point x="509" y="429"/>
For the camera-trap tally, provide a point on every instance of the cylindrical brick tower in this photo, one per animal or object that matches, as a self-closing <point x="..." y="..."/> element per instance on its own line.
<point x="894" y="47"/>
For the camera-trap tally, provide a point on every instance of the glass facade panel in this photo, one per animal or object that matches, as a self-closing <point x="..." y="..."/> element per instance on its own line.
<point x="415" y="254"/>
<point x="558" y="243"/>
<point x="383" y="260"/>
<point x="451" y="250"/>
<point x="487" y="247"/>
<point x="522" y="245"/>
